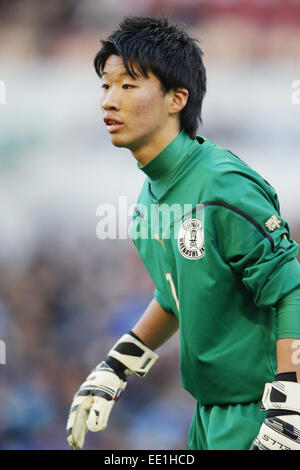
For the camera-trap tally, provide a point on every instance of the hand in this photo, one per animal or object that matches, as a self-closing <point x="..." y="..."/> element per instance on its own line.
<point x="281" y="429"/>
<point x="93" y="403"/>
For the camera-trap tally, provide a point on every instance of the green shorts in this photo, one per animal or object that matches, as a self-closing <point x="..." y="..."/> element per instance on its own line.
<point x="228" y="427"/>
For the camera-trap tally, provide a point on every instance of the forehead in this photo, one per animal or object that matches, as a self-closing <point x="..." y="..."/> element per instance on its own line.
<point x="114" y="67"/>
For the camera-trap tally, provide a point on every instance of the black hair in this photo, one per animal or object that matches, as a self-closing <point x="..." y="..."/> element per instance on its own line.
<point x="150" y="44"/>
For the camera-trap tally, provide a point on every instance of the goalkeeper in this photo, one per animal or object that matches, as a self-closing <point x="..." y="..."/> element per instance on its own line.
<point x="225" y="270"/>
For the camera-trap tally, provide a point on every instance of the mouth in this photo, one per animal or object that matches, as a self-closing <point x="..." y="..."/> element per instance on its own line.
<point x="112" y="125"/>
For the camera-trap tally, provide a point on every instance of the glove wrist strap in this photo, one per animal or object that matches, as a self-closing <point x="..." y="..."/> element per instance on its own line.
<point x="133" y="354"/>
<point x="281" y="395"/>
<point x="286" y="377"/>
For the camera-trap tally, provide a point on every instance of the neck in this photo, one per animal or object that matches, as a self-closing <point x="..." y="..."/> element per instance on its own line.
<point x="149" y="150"/>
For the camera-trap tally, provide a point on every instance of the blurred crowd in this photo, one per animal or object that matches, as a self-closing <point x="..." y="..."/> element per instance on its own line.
<point x="266" y="27"/>
<point x="64" y="305"/>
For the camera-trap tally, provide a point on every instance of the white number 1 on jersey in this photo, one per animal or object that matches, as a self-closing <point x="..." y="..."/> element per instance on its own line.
<point x="173" y="290"/>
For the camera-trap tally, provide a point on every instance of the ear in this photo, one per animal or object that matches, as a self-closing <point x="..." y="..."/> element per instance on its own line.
<point x="179" y="100"/>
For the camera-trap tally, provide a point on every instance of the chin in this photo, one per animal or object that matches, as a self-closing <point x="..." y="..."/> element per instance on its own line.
<point x="118" y="144"/>
<point x="117" y="141"/>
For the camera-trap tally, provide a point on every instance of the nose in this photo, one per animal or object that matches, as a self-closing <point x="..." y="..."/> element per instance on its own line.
<point x="110" y="100"/>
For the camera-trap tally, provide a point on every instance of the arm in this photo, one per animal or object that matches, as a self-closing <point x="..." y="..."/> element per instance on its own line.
<point x="288" y="334"/>
<point x="288" y="356"/>
<point x="155" y="326"/>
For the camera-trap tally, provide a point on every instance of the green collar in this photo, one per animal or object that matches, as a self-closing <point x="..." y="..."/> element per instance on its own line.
<point x="162" y="168"/>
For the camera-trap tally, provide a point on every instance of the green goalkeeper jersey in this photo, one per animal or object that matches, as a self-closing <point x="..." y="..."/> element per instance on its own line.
<point x="209" y="231"/>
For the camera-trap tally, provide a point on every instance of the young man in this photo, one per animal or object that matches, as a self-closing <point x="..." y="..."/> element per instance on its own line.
<point x="223" y="263"/>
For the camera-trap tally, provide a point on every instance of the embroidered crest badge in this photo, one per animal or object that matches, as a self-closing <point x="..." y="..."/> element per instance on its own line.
<point x="273" y="223"/>
<point x="190" y="240"/>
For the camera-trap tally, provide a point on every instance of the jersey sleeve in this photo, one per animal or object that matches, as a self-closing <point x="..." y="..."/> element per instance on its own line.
<point x="254" y="239"/>
<point x="160" y="298"/>
<point x="288" y="311"/>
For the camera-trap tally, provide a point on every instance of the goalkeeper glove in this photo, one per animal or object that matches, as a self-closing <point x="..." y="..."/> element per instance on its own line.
<point x="95" y="398"/>
<point x="281" y="428"/>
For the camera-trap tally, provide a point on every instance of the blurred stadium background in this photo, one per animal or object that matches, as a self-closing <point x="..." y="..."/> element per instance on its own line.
<point x="65" y="295"/>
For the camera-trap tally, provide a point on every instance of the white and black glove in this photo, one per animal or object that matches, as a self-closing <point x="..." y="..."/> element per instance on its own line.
<point x="94" y="400"/>
<point x="281" y="428"/>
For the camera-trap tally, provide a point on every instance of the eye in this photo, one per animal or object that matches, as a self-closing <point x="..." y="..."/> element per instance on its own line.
<point x="126" y="86"/>
<point x="104" y="86"/>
